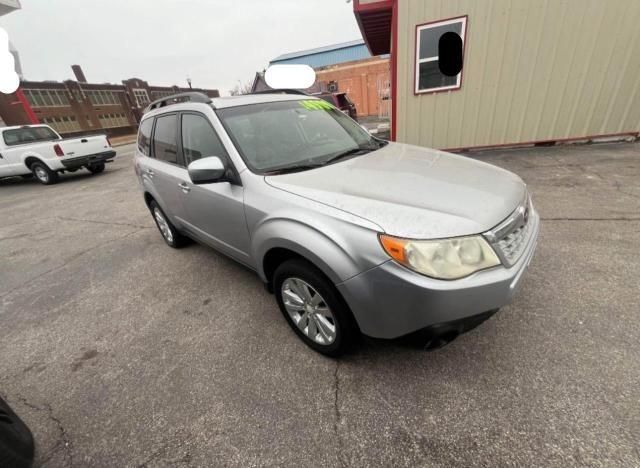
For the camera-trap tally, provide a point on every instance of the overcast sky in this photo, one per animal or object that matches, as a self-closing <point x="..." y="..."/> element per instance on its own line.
<point x="215" y="42"/>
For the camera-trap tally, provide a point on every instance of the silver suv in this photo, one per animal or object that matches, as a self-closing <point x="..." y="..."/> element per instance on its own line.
<point x="351" y="233"/>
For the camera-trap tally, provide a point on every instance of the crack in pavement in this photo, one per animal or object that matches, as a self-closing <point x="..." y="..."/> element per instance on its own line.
<point x="161" y="452"/>
<point x="28" y="283"/>
<point x="619" y="188"/>
<point x="63" y="441"/>
<point x="64" y="218"/>
<point x="108" y="223"/>
<point x="338" y="416"/>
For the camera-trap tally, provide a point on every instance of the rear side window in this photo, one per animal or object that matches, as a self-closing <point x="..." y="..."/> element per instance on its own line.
<point x="144" y="137"/>
<point x="21" y="136"/>
<point x="199" y="139"/>
<point x="165" y="139"/>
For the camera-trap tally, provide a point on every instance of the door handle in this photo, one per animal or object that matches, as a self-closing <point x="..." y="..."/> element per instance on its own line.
<point x="185" y="188"/>
<point x="84" y="140"/>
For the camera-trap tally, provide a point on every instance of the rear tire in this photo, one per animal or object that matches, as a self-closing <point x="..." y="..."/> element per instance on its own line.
<point x="96" y="169"/>
<point x="16" y="441"/>
<point x="314" y="308"/>
<point x="44" y="175"/>
<point x="168" y="231"/>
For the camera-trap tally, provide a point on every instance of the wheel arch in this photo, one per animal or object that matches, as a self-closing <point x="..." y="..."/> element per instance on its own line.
<point x="279" y="240"/>
<point x="275" y="257"/>
<point x="31" y="160"/>
<point x="148" y="198"/>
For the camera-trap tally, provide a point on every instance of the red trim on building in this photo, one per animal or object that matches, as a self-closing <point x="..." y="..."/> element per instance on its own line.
<point x="365" y="7"/>
<point x="374" y="21"/>
<point x="27" y="108"/>
<point x="552" y="141"/>
<point x="378" y="23"/>
<point x="394" y="70"/>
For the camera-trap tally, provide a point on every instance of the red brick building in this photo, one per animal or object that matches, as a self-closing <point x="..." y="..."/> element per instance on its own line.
<point x="77" y="107"/>
<point x="366" y="82"/>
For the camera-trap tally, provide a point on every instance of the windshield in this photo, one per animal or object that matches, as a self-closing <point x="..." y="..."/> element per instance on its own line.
<point x="294" y="135"/>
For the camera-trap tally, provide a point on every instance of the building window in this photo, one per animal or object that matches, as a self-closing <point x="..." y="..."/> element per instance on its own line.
<point x="63" y="124"/>
<point x="46" y="97"/>
<point x="113" y="120"/>
<point x="162" y="94"/>
<point x="429" y="78"/>
<point x="142" y="98"/>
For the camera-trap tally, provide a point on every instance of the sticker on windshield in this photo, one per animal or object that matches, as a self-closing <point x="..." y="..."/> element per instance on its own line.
<point x="318" y="104"/>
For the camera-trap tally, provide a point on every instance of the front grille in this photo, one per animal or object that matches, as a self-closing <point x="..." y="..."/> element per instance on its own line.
<point x="510" y="238"/>
<point x="513" y="244"/>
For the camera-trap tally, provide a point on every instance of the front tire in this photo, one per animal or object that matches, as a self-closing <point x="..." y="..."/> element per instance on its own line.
<point x="169" y="233"/>
<point x="44" y="175"/>
<point x="313" y="307"/>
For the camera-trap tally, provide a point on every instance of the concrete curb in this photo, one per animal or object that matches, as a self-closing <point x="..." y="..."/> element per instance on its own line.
<point x="123" y="143"/>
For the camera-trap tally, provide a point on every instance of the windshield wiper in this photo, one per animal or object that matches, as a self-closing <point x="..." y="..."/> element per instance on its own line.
<point x="295" y="168"/>
<point x="346" y="154"/>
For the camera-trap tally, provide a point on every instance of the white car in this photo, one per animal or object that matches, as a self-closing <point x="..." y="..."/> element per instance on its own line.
<point x="38" y="150"/>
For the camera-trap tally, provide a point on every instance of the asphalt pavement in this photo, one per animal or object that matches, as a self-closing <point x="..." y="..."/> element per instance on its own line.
<point x="119" y="351"/>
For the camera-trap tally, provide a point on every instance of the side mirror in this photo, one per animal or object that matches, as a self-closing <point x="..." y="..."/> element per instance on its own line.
<point x="206" y="170"/>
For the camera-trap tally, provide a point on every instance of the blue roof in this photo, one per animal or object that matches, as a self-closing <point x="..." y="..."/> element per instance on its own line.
<point x="327" y="55"/>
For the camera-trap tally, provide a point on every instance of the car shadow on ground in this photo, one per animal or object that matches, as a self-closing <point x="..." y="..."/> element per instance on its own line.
<point x="78" y="176"/>
<point x="422" y="341"/>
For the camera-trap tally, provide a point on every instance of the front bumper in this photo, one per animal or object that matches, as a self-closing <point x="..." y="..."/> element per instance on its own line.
<point x="389" y="300"/>
<point x="89" y="160"/>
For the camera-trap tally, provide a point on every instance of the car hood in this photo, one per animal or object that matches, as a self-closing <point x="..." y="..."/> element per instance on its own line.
<point x="412" y="192"/>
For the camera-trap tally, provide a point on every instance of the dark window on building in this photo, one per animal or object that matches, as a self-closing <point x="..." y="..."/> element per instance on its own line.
<point x="63" y="97"/>
<point x="21" y="136"/>
<point x="199" y="139"/>
<point x="165" y="139"/>
<point x="144" y="136"/>
<point x="46" y="98"/>
<point x="429" y="78"/>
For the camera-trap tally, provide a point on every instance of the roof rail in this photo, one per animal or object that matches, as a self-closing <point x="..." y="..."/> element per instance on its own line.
<point x="179" y="98"/>
<point x="281" y="91"/>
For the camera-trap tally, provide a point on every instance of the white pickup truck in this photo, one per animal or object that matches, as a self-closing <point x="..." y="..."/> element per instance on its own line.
<point x="39" y="151"/>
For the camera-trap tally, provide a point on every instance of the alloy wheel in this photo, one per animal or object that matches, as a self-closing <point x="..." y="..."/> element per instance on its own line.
<point x="41" y="174"/>
<point x="163" y="225"/>
<point x="309" y="311"/>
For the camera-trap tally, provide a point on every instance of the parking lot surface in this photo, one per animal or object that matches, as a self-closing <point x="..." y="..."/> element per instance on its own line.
<point x="119" y="351"/>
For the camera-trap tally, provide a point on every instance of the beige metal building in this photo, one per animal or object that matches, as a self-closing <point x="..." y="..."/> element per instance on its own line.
<point x="534" y="71"/>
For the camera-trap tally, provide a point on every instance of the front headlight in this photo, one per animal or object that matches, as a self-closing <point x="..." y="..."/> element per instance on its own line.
<point x="444" y="258"/>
